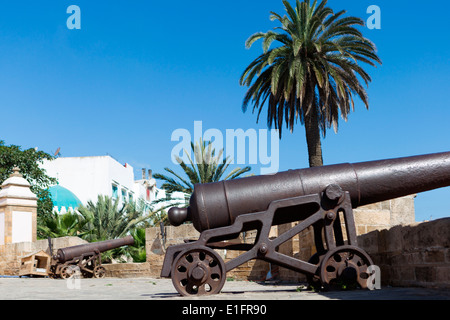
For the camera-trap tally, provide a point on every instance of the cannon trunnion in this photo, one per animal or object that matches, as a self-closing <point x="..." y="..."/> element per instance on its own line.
<point x="319" y="197"/>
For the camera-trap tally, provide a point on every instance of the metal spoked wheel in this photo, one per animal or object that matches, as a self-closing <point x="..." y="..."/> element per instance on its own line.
<point x="345" y="268"/>
<point x="99" y="272"/>
<point x="66" y="272"/>
<point x="199" y="271"/>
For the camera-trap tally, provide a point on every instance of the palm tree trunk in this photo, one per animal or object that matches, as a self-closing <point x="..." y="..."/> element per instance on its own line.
<point x="313" y="139"/>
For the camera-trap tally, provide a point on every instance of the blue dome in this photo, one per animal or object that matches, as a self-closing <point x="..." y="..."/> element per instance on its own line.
<point x="63" y="197"/>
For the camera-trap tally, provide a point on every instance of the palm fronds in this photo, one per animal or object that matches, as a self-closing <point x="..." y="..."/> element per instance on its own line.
<point x="204" y="167"/>
<point x="312" y="76"/>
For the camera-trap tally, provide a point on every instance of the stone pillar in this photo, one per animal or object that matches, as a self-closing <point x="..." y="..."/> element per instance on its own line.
<point x="18" y="210"/>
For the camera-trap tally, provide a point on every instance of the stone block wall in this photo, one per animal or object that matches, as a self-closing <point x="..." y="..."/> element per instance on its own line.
<point x="128" y="270"/>
<point x="416" y="255"/>
<point x="382" y="215"/>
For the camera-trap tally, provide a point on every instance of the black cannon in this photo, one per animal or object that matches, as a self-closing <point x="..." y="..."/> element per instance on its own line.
<point x="87" y="257"/>
<point x="315" y="197"/>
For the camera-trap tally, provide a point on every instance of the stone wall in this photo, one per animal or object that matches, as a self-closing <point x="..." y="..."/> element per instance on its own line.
<point x="417" y="254"/>
<point x="382" y="215"/>
<point x="128" y="270"/>
<point x="11" y="254"/>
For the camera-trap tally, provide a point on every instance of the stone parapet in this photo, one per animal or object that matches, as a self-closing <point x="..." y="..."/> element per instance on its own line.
<point x="416" y="255"/>
<point x="128" y="270"/>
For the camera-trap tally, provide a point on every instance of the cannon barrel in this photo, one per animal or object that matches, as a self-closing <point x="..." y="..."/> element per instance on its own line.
<point x="66" y="254"/>
<point x="217" y="204"/>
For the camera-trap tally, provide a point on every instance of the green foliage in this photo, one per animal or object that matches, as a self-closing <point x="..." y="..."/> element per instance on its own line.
<point x="103" y="220"/>
<point x="62" y="225"/>
<point x="159" y="215"/>
<point x="154" y="216"/>
<point x="313" y="74"/>
<point x="28" y="161"/>
<point x="106" y="220"/>
<point x="206" y="168"/>
<point x="137" y="251"/>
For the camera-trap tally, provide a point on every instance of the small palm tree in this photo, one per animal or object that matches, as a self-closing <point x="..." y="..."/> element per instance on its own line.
<point x="314" y="73"/>
<point x="207" y="168"/>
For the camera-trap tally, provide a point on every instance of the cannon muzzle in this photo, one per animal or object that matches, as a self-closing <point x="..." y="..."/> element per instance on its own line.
<point x="217" y="204"/>
<point x="66" y="254"/>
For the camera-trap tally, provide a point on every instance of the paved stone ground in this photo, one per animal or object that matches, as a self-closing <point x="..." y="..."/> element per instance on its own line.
<point x="162" y="289"/>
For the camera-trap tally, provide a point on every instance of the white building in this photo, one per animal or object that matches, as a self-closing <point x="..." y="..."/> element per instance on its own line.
<point x="83" y="179"/>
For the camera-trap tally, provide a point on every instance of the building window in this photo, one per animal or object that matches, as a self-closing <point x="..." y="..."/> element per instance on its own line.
<point x="115" y="191"/>
<point x="124" y="195"/>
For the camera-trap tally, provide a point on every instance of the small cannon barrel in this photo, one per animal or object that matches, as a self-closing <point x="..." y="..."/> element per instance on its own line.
<point x="66" y="254"/>
<point x="217" y="204"/>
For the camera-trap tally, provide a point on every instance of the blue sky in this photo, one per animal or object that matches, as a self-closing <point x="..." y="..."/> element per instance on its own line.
<point x="138" y="70"/>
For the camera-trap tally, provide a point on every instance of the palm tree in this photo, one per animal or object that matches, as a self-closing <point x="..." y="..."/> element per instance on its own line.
<point x="314" y="73"/>
<point x="207" y="168"/>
